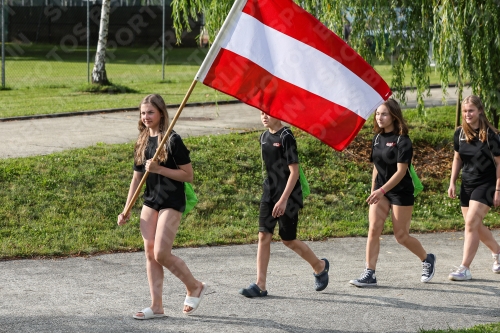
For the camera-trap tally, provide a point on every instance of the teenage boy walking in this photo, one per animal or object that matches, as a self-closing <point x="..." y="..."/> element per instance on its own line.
<point x="280" y="203"/>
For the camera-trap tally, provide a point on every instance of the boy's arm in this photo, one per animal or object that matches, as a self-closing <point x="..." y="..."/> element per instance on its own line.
<point x="279" y="208"/>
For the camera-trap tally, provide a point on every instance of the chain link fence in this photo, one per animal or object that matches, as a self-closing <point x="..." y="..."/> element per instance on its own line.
<point x="53" y="42"/>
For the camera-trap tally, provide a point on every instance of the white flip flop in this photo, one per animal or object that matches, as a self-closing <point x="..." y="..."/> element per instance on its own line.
<point x="194" y="302"/>
<point x="148" y="314"/>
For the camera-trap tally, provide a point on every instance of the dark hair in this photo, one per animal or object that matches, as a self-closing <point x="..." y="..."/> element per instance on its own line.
<point x="400" y="127"/>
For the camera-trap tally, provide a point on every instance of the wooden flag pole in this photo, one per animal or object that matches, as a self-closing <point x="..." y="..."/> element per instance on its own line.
<point x="169" y="130"/>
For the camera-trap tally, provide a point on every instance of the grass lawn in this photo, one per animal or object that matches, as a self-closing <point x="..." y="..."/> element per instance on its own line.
<point x="487" y="328"/>
<point x="45" y="81"/>
<point x="41" y="86"/>
<point x="67" y="203"/>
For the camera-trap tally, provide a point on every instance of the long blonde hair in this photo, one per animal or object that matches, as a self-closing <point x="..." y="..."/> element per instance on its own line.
<point x="142" y="141"/>
<point x="399" y="123"/>
<point x="484" y="124"/>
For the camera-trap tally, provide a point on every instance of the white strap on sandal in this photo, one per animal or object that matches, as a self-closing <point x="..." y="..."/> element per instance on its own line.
<point x="148" y="314"/>
<point x="194" y="302"/>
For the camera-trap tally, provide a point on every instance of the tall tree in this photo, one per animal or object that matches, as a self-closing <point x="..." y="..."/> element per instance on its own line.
<point x="99" y="72"/>
<point x="469" y="48"/>
<point x="464" y="37"/>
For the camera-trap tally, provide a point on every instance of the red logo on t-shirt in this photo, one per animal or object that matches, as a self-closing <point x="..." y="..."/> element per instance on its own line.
<point x="277" y="144"/>
<point x="390" y="144"/>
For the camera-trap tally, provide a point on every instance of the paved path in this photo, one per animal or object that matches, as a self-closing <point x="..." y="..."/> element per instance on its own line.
<point x="48" y="135"/>
<point x="100" y="293"/>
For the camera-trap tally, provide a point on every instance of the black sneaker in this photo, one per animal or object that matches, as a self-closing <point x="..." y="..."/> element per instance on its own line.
<point x="367" y="279"/>
<point x="428" y="268"/>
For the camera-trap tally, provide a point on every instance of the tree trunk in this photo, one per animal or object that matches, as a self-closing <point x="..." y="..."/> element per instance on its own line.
<point x="457" y="114"/>
<point x="459" y="107"/>
<point x="496" y="117"/>
<point x="99" y="72"/>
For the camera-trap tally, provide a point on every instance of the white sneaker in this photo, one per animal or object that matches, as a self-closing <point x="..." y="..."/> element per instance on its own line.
<point x="461" y="273"/>
<point x="496" y="264"/>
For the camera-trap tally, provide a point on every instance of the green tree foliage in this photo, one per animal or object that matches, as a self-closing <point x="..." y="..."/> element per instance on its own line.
<point x="464" y="36"/>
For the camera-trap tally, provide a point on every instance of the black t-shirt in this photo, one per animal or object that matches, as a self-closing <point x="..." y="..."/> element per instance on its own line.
<point x="478" y="166"/>
<point x="159" y="189"/>
<point x="389" y="149"/>
<point x="279" y="150"/>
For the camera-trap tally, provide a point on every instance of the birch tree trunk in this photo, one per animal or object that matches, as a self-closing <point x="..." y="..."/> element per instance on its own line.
<point x="99" y="72"/>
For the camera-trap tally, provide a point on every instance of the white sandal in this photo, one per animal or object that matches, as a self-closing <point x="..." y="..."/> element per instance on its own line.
<point x="194" y="302"/>
<point x="148" y="314"/>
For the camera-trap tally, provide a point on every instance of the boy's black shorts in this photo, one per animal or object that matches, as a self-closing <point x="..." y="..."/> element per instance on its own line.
<point x="287" y="222"/>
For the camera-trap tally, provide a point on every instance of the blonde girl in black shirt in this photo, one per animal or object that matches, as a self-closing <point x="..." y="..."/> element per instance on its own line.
<point x="392" y="191"/>
<point x="164" y="202"/>
<point x="477" y="150"/>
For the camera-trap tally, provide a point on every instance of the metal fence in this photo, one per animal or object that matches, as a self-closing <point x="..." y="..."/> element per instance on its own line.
<point x="53" y="42"/>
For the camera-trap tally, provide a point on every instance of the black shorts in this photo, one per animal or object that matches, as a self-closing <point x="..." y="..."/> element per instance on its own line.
<point x="400" y="198"/>
<point x="174" y="204"/>
<point x="483" y="193"/>
<point x="287" y="222"/>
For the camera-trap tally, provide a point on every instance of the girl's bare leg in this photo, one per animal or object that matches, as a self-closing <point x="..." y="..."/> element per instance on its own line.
<point x="401" y="219"/>
<point x="476" y="231"/>
<point x="377" y="215"/>
<point x="166" y="229"/>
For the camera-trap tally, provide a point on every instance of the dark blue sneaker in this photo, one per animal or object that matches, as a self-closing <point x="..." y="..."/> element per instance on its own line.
<point x="253" y="290"/>
<point x="428" y="268"/>
<point x="321" y="279"/>
<point x="367" y="279"/>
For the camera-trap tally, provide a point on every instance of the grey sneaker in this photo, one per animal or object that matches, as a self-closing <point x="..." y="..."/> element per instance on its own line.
<point x="367" y="279"/>
<point x="496" y="264"/>
<point x="461" y="273"/>
<point x="428" y="268"/>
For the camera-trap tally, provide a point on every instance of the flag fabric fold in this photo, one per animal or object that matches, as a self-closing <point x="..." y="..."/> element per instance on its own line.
<point x="275" y="56"/>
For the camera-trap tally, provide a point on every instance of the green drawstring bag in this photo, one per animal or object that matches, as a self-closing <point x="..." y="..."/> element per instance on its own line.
<point x="306" y="190"/>
<point x="191" y="199"/>
<point x="417" y="184"/>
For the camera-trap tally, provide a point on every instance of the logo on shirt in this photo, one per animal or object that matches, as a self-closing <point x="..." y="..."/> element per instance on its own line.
<point x="277" y="144"/>
<point x="390" y="144"/>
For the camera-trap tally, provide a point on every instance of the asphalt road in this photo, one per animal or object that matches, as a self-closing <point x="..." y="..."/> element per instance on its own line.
<point x="101" y="293"/>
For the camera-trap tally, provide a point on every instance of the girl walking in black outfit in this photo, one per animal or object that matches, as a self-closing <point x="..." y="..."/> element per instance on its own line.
<point x="164" y="202"/>
<point x="477" y="153"/>
<point x="392" y="191"/>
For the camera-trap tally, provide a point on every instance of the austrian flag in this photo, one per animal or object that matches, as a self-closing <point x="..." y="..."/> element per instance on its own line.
<point x="275" y="56"/>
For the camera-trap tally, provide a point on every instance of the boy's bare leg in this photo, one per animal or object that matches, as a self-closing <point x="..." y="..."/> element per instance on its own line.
<point x="263" y="254"/>
<point x="307" y="254"/>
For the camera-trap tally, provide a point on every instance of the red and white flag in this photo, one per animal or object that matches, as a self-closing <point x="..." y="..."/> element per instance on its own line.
<point x="275" y="56"/>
